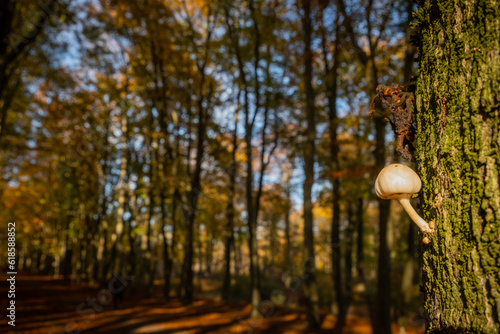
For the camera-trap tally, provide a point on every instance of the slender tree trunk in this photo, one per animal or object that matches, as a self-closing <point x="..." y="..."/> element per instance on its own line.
<point x="383" y="318"/>
<point x="458" y="155"/>
<point x="359" y="241"/>
<point x="338" y="307"/>
<point x="409" y="267"/>
<point x="349" y="238"/>
<point x="200" y="257"/>
<point x="190" y="211"/>
<point x="167" y="250"/>
<point x="252" y="243"/>
<point x="210" y="251"/>
<point x="131" y="241"/>
<point x="103" y="246"/>
<point x="273" y="235"/>
<point x="68" y="254"/>
<point x="411" y="50"/>
<point x="167" y="261"/>
<point x="383" y="323"/>
<point x="311" y="287"/>
<point x="237" y="259"/>
<point x="287" y="175"/>
<point x="101" y="223"/>
<point x="116" y="237"/>
<point x="252" y="204"/>
<point x="189" y="254"/>
<point x="149" y="259"/>
<point x="86" y="246"/>
<point x="288" y="255"/>
<point x="254" y="257"/>
<point x="408" y="270"/>
<point x="226" y="286"/>
<point x="173" y="250"/>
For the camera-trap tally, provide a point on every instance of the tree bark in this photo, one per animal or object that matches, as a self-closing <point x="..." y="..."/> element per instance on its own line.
<point x="458" y="155"/>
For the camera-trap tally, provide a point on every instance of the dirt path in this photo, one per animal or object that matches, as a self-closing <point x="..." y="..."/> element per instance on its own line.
<point x="45" y="305"/>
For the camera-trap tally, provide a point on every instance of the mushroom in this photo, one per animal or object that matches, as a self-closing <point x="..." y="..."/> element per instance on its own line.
<point x="400" y="182"/>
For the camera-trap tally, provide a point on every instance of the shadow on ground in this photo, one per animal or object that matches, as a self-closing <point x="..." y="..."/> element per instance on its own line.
<point x="46" y="305"/>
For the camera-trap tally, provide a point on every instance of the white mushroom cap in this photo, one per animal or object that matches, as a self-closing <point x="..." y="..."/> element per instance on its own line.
<point x="397" y="181"/>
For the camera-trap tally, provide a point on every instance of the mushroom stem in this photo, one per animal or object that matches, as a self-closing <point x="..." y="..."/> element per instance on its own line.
<point x="422" y="224"/>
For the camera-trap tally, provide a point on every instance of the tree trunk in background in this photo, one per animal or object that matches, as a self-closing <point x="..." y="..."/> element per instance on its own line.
<point x="90" y="247"/>
<point x="458" y="155"/>
<point x="311" y="287"/>
<point x="101" y="223"/>
<point x="383" y="316"/>
<point x="167" y="261"/>
<point x="252" y="238"/>
<point x="383" y="320"/>
<point x="204" y="95"/>
<point x="338" y="306"/>
<point x="173" y="251"/>
<point x="273" y="235"/>
<point x="103" y="246"/>
<point x="349" y="245"/>
<point x="409" y="266"/>
<point x="382" y="307"/>
<point x="408" y="271"/>
<point x="68" y="251"/>
<point x="253" y="202"/>
<point x="131" y="253"/>
<point x="359" y="241"/>
<point x="288" y="251"/>
<point x="192" y="201"/>
<point x="114" y="261"/>
<point x="148" y="258"/>
<point x="209" y="252"/>
<point x="226" y="286"/>
<point x="237" y="259"/>
<point x="411" y="50"/>
<point x="87" y="246"/>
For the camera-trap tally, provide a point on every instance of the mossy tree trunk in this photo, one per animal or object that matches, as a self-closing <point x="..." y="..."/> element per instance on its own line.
<point x="458" y="158"/>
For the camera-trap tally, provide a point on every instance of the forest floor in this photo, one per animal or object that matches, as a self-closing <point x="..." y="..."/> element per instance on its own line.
<point x="47" y="305"/>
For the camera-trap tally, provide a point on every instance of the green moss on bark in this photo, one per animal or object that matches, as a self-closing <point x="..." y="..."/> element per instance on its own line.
<point x="458" y="154"/>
